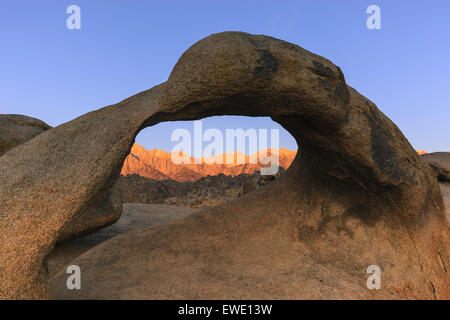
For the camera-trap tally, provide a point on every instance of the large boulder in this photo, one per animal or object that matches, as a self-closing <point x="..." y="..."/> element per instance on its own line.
<point x="357" y="195"/>
<point x="440" y="164"/>
<point x="16" y="129"/>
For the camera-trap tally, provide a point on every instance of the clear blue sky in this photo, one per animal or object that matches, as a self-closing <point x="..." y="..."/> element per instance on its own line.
<point x="126" y="46"/>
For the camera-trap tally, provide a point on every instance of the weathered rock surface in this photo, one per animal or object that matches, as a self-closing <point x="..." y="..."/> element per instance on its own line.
<point x="134" y="216"/>
<point x="358" y="194"/>
<point x="100" y="214"/>
<point x="440" y="163"/>
<point x="445" y="189"/>
<point x="16" y="129"/>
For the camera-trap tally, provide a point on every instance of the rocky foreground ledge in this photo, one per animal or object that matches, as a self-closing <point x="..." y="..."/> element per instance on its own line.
<point x="357" y="195"/>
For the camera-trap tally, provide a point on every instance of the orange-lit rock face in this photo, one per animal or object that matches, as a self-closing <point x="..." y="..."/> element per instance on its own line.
<point x="158" y="165"/>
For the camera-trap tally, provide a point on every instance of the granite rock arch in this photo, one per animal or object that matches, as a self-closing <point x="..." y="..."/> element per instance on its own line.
<point x="357" y="194"/>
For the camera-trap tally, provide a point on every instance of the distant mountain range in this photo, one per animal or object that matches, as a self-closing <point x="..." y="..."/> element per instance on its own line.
<point x="158" y="165"/>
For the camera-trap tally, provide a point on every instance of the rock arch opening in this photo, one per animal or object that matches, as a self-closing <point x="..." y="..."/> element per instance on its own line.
<point x="205" y="162"/>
